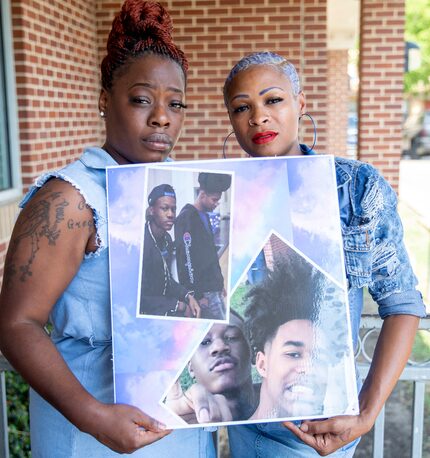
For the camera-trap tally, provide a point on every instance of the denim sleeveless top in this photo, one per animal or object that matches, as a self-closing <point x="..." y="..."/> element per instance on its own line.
<point x="83" y="311"/>
<point x="81" y="321"/>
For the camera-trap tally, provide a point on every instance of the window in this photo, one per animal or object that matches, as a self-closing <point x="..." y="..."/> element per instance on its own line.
<point x="10" y="181"/>
<point x="5" y="178"/>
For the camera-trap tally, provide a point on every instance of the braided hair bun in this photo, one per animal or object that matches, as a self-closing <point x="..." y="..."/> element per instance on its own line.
<point x="140" y="27"/>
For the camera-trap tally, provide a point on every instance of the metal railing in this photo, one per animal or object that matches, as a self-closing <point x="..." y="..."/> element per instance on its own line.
<point x="4" y="432"/>
<point x="416" y="372"/>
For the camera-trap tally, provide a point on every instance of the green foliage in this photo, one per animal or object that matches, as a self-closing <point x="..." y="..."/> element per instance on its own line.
<point x="417" y="30"/>
<point x="237" y="301"/>
<point x="417" y="241"/>
<point x="18" y="417"/>
<point x="185" y="379"/>
<point x="421" y="348"/>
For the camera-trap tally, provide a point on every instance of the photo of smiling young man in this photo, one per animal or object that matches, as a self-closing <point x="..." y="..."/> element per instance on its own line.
<point x="289" y="352"/>
<point x="293" y="382"/>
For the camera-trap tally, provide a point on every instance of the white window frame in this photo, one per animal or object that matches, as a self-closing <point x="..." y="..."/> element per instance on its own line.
<point x="15" y="190"/>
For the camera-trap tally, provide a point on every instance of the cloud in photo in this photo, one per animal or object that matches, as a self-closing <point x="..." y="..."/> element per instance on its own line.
<point x="314" y="212"/>
<point x="126" y="204"/>
<point x="122" y="315"/>
<point x="311" y="206"/>
<point x="252" y="192"/>
<point x="259" y="207"/>
<point x="147" y="344"/>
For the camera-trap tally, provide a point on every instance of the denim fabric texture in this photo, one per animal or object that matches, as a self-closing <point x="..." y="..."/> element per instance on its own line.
<point x="273" y="440"/>
<point x="82" y="334"/>
<point x="375" y="255"/>
<point x="376" y="258"/>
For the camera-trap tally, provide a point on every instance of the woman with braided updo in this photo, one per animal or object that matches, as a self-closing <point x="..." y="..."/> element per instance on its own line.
<point x="57" y="264"/>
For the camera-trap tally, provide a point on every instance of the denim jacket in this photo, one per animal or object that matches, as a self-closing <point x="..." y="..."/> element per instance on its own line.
<point x="375" y="255"/>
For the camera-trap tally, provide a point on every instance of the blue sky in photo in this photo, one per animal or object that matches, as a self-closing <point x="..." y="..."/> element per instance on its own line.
<point x="314" y="212"/>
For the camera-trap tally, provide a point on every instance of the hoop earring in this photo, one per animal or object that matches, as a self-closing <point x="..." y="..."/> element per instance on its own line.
<point x="224" y="144"/>
<point x="315" y="129"/>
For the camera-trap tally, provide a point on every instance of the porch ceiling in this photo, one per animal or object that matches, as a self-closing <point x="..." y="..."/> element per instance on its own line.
<point x="343" y="20"/>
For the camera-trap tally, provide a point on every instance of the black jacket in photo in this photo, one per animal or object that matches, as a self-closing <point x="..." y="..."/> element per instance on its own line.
<point x="196" y="253"/>
<point x="160" y="292"/>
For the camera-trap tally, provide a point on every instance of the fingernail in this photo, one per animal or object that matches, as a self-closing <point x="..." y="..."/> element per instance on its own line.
<point x="304" y="427"/>
<point x="203" y="416"/>
<point x="161" y="426"/>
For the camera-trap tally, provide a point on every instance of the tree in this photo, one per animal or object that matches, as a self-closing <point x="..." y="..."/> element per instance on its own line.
<point x="417" y="30"/>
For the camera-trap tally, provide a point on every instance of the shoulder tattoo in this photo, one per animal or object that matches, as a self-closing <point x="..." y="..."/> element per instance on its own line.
<point x="41" y="221"/>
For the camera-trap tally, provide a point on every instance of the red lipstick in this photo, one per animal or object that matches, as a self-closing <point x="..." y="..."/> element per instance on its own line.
<point x="264" y="137"/>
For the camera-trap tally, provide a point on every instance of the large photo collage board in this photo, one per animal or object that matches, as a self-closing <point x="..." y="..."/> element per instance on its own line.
<point x="228" y="293"/>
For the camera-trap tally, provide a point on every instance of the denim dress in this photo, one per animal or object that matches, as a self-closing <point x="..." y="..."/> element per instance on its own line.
<point x="81" y="331"/>
<point x="376" y="258"/>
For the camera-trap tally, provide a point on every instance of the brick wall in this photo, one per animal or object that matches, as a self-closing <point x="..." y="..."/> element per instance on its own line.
<point x="337" y="99"/>
<point x="275" y="250"/>
<point x="381" y="85"/>
<point x="313" y="68"/>
<point x="56" y="79"/>
<point x="215" y="34"/>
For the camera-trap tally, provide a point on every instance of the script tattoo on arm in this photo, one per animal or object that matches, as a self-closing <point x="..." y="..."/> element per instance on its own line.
<point x="81" y="224"/>
<point x="82" y="205"/>
<point x="85" y="224"/>
<point x="37" y="224"/>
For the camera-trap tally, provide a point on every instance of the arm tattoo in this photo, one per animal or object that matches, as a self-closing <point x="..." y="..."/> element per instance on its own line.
<point x="74" y="224"/>
<point x="36" y="225"/>
<point x="82" y="205"/>
<point x="83" y="224"/>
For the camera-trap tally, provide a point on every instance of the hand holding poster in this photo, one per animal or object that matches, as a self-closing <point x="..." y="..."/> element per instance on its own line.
<point x="267" y="336"/>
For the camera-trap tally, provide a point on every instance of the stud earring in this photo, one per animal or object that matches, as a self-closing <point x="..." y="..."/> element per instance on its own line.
<point x="102" y="114"/>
